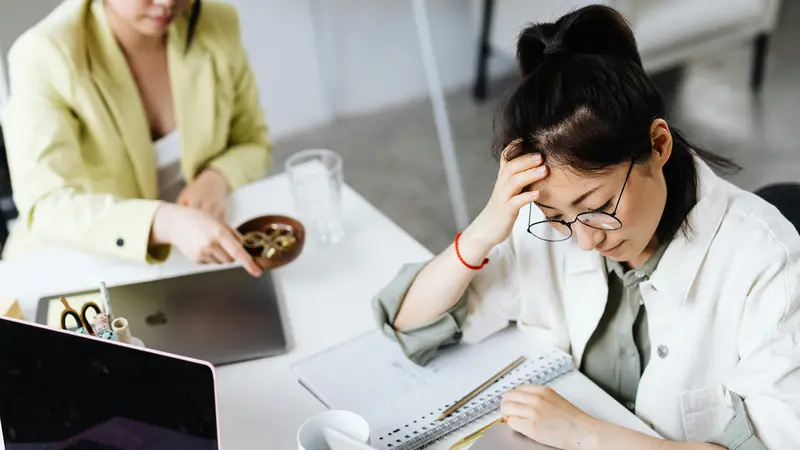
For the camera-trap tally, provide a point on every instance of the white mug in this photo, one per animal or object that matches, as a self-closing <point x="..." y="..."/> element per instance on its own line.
<point x="311" y="435"/>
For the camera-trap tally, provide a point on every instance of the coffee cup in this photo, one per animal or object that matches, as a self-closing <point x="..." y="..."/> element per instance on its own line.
<point x="311" y="435"/>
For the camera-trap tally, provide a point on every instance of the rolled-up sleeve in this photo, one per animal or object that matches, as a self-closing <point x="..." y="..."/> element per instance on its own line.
<point x="422" y="342"/>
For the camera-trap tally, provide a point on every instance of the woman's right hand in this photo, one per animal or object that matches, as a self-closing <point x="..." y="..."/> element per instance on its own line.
<point x="200" y="237"/>
<point x="493" y="225"/>
<point x="443" y="281"/>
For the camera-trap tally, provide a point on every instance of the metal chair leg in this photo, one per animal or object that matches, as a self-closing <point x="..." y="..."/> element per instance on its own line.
<point x="759" y="61"/>
<point x="480" y="90"/>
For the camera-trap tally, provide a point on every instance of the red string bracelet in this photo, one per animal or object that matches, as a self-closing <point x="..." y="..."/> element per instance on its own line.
<point x="458" y="253"/>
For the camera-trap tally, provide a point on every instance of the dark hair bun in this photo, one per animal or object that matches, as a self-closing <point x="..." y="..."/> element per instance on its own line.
<point x="592" y="30"/>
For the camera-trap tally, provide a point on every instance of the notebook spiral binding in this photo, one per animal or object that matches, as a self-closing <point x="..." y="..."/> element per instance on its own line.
<point x="532" y="372"/>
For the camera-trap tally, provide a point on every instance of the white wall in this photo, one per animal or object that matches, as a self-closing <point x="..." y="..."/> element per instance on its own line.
<point x="316" y="60"/>
<point x="16" y="16"/>
<point x="377" y="51"/>
<point x="365" y="54"/>
<point x="280" y="42"/>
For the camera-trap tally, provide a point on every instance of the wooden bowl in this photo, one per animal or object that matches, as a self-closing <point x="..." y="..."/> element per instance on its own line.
<point x="273" y="241"/>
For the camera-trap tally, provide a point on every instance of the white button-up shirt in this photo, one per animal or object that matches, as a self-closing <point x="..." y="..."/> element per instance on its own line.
<point x="722" y="311"/>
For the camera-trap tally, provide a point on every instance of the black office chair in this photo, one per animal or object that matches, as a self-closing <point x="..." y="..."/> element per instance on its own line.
<point x="785" y="197"/>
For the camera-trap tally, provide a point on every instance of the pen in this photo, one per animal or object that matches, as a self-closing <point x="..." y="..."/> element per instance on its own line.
<point x="482" y="387"/>
<point x="106" y="302"/>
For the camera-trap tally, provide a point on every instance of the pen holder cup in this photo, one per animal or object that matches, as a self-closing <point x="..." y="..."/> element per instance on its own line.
<point x="123" y="332"/>
<point x="273" y="241"/>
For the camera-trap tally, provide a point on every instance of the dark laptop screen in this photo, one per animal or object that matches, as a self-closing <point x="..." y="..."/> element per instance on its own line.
<point x="64" y="391"/>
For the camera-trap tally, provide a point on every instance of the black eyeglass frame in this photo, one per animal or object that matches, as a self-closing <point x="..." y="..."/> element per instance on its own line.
<point x="612" y="214"/>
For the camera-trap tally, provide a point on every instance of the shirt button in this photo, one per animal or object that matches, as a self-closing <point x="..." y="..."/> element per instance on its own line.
<point x="120" y="242"/>
<point x="632" y="352"/>
<point x="663" y="351"/>
<point x="630" y="405"/>
<point x="638" y="274"/>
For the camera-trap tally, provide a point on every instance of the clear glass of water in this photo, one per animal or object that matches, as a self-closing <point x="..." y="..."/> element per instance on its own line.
<point x="316" y="181"/>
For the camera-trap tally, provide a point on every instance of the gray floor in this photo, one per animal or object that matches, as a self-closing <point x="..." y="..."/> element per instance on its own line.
<point x="392" y="158"/>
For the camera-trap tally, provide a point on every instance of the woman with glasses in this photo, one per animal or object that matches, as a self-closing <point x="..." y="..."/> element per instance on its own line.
<point x="610" y="237"/>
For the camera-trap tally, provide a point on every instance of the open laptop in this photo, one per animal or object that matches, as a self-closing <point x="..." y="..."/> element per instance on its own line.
<point x="222" y="316"/>
<point x="64" y="391"/>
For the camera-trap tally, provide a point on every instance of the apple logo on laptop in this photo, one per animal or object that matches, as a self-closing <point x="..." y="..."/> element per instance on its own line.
<point x="159" y="318"/>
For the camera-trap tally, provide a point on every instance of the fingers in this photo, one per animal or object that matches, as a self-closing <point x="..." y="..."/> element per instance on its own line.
<point x="531" y="397"/>
<point x="220" y="255"/>
<point x="218" y="210"/>
<point x="236" y="234"/>
<point x="535" y="389"/>
<point x="519" y="201"/>
<point x="232" y="244"/>
<point x="521" y="180"/>
<point x="517" y="409"/>
<point x="214" y="255"/>
<point x="523" y="163"/>
<point x="523" y="397"/>
<point x="183" y="198"/>
<point x="214" y="208"/>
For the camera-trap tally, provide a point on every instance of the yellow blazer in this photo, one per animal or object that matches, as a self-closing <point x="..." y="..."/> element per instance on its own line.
<point x="80" y="153"/>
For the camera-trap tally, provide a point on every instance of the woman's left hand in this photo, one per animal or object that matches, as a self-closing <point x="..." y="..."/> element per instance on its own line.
<point x="543" y="415"/>
<point x="208" y="193"/>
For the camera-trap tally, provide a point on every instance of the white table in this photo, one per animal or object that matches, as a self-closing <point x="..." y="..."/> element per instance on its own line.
<point x="327" y="294"/>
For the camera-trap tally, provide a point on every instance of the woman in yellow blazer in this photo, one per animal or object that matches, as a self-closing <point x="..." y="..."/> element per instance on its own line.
<point x="115" y="106"/>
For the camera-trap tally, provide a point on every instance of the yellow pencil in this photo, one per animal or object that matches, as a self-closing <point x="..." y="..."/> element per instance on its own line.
<point x="482" y="387"/>
<point x="474" y="436"/>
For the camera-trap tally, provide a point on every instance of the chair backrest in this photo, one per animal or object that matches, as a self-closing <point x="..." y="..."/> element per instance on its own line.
<point x="785" y="197"/>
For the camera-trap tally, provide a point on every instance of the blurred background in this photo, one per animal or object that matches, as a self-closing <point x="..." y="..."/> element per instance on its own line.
<point x="348" y="75"/>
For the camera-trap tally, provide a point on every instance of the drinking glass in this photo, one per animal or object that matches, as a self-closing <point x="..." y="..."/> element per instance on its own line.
<point x="316" y="181"/>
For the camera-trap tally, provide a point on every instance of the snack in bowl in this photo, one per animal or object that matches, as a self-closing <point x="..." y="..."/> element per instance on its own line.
<point x="273" y="241"/>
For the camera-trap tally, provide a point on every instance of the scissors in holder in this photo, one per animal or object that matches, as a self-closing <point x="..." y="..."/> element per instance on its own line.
<point x="84" y="325"/>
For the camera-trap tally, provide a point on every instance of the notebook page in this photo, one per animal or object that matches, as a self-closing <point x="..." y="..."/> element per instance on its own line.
<point x="426" y="429"/>
<point x="371" y="376"/>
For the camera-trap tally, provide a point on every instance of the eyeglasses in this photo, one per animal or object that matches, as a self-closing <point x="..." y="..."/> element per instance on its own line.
<point x="556" y="230"/>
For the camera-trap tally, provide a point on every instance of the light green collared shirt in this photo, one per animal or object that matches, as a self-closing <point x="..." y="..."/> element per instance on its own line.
<point x="619" y="349"/>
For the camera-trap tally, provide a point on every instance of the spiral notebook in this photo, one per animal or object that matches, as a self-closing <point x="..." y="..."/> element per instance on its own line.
<point x="401" y="401"/>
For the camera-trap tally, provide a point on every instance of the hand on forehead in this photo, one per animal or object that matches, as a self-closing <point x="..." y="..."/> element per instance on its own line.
<point x="565" y="188"/>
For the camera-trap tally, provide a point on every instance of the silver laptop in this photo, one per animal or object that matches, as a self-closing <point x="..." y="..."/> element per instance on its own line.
<point x="222" y="316"/>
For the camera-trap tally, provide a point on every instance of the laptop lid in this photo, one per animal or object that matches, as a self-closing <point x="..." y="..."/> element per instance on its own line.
<point x="64" y="391"/>
<point x="221" y="316"/>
